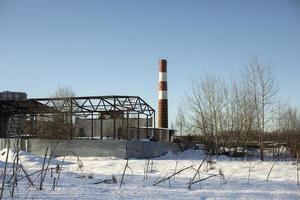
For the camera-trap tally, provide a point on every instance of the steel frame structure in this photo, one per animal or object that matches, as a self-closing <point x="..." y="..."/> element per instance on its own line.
<point x="82" y="107"/>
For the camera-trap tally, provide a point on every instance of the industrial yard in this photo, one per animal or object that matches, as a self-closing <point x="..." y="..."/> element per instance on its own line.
<point x="149" y="100"/>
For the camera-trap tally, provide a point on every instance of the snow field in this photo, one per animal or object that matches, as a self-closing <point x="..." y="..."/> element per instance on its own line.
<point x="78" y="182"/>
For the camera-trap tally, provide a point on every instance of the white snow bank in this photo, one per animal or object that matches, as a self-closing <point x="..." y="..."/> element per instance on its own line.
<point x="78" y="183"/>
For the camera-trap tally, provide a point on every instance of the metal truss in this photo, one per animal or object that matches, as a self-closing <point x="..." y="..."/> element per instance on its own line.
<point x="87" y="105"/>
<point x="117" y="107"/>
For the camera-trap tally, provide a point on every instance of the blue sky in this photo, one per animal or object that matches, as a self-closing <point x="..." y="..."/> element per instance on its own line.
<point x="113" y="47"/>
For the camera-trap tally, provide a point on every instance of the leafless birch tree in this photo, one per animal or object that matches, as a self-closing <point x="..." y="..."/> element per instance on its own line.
<point x="262" y="88"/>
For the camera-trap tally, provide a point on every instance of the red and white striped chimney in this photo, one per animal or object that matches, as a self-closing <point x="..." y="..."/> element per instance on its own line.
<point x="163" y="95"/>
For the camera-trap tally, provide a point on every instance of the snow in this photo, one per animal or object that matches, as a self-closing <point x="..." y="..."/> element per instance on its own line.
<point x="77" y="178"/>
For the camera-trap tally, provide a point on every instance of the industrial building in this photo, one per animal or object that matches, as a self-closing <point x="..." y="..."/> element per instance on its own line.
<point x="96" y="117"/>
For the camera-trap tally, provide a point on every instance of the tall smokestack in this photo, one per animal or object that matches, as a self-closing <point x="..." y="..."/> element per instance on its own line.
<point x="163" y="95"/>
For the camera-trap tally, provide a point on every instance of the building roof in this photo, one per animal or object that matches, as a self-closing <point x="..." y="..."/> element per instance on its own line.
<point x="10" y="107"/>
<point x="78" y="105"/>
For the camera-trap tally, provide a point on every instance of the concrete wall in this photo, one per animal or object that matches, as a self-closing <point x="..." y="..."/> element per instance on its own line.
<point x="101" y="148"/>
<point x="3" y="126"/>
<point x="138" y="149"/>
<point x="23" y="144"/>
<point x="14" y="96"/>
<point x="83" y="127"/>
<point x="81" y="147"/>
<point x="10" y="124"/>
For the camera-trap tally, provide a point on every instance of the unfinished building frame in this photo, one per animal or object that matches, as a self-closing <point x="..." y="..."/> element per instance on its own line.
<point x="122" y="108"/>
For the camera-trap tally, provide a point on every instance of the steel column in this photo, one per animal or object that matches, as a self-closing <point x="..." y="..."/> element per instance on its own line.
<point x="114" y="113"/>
<point x="138" y="126"/>
<point x="147" y="125"/>
<point x="154" y="128"/>
<point x="92" y="128"/>
<point x="101" y="123"/>
<point x="71" y="119"/>
<point x="127" y="124"/>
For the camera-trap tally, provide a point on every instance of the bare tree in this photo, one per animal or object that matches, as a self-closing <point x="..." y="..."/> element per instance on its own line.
<point x="262" y="87"/>
<point x="234" y="113"/>
<point x="288" y="127"/>
<point x="58" y="124"/>
<point x="206" y="103"/>
<point x="63" y="91"/>
<point x="181" y="123"/>
<point x="288" y="119"/>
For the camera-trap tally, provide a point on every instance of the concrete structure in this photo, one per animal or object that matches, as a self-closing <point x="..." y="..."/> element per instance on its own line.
<point x="83" y="128"/>
<point x="162" y="118"/>
<point x="12" y="96"/>
<point x="125" y="119"/>
<point x="163" y="95"/>
<point x="117" y="116"/>
<point x="101" y="148"/>
<point x="9" y="124"/>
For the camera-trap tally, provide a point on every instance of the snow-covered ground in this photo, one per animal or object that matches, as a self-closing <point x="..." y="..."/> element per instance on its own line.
<point x="77" y="178"/>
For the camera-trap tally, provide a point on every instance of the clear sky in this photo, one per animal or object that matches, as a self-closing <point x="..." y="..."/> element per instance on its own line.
<point x="113" y="47"/>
